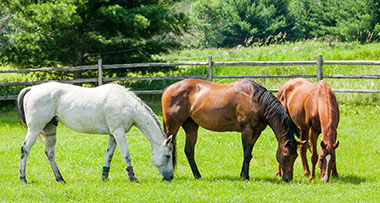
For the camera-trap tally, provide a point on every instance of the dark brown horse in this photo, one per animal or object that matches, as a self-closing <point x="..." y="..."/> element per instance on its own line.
<point x="243" y="106"/>
<point x="313" y="107"/>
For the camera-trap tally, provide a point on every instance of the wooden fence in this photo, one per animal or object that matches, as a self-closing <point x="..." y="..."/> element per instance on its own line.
<point x="319" y="62"/>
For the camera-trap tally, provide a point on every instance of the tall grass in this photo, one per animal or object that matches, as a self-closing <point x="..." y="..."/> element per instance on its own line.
<point x="302" y="51"/>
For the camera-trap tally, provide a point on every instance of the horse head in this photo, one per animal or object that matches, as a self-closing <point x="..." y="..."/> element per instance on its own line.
<point x="286" y="156"/>
<point x="162" y="158"/>
<point x="326" y="160"/>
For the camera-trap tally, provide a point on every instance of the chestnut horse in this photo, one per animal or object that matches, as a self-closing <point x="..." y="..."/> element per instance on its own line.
<point x="313" y="107"/>
<point x="243" y="106"/>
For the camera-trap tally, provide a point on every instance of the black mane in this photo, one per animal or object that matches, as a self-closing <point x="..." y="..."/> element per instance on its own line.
<point x="273" y="111"/>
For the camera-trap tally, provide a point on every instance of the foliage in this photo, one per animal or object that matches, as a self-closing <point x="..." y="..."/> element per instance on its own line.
<point x="229" y="23"/>
<point x="80" y="158"/>
<point x="76" y="32"/>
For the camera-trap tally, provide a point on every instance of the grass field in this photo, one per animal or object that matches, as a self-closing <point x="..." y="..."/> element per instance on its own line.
<point x="219" y="157"/>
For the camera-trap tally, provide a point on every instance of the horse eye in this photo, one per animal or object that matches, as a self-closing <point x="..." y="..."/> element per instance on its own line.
<point x="167" y="156"/>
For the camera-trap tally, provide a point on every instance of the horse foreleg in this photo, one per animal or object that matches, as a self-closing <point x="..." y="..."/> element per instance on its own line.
<point x="109" y="154"/>
<point x="334" y="171"/>
<point x="314" y="153"/>
<point x="50" y="141"/>
<point x="303" y="150"/>
<point x="26" y="147"/>
<point x="191" y="130"/>
<point x="249" y="139"/>
<point x="278" y="172"/>
<point x="121" y="141"/>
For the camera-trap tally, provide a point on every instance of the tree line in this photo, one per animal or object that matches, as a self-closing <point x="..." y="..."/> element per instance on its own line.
<point x="229" y="23"/>
<point x="78" y="32"/>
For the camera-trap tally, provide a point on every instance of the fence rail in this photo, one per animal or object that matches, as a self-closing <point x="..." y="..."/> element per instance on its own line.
<point x="319" y="62"/>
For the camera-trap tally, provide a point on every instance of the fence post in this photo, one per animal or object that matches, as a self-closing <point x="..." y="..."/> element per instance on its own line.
<point x="210" y="68"/>
<point x="319" y="67"/>
<point x="100" y="72"/>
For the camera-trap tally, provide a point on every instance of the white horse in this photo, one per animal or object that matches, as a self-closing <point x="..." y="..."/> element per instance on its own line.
<point x="108" y="109"/>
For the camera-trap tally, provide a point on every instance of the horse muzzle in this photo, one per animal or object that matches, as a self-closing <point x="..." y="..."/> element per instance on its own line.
<point x="286" y="178"/>
<point x="167" y="178"/>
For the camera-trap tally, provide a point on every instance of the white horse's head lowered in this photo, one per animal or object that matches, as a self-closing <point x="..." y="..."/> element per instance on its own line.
<point x="109" y="109"/>
<point x="163" y="160"/>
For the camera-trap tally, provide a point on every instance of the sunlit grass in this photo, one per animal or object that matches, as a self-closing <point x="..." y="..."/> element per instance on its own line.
<point x="219" y="157"/>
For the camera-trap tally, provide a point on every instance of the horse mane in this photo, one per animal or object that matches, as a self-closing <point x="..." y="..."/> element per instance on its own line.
<point x="154" y="116"/>
<point x="273" y="111"/>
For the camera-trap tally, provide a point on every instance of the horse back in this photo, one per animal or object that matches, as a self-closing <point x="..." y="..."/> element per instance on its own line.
<point x="216" y="107"/>
<point x="81" y="109"/>
<point x="310" y="104"/>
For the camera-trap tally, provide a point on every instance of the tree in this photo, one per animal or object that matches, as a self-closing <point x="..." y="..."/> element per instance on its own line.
<point x="348" y="20"/>
<point x="255" y="19"/>
<point x="77" y="32"/>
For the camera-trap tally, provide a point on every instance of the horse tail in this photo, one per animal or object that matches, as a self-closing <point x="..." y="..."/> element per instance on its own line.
<point x="20" y="105"/>
<point x="323" y="106"/>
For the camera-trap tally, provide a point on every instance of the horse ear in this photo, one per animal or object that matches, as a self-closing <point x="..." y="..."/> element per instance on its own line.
<point x="323" y="145"/>
<point x="336" y="145"/>
<point x="169" y="140"/>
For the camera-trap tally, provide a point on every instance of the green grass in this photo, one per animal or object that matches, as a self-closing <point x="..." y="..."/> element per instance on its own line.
<point x="219" y="157"/>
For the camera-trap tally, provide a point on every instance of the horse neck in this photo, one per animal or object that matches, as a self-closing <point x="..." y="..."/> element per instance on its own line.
<point x="147" y="122"/>
<point x="282" y="128"/>
<point x="276" y="116"/>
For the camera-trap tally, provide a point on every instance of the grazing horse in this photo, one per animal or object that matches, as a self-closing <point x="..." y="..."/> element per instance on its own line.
<point x="243" y="106"/>
<point x="108" y="109"/>
<point x="313" y="107"/>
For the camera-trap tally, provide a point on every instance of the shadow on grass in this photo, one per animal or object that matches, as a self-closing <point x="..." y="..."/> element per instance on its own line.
<point x="230" y="179"/>
<point x="350" y="179"/>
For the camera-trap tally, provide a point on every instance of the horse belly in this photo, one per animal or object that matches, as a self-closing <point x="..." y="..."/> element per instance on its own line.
<point x="216" y="121"/>
<point x="85" y="122"/>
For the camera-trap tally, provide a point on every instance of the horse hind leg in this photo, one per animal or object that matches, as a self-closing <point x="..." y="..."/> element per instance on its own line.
<point x="26" y="147"/>
<point x="191" y="130"/>
<point x="303" y="150"/>
<point x="314" y="154"/>
<point x="49" y="132"/>
<point x="109" y="154"/>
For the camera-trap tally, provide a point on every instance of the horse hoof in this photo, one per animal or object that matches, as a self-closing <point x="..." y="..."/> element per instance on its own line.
<point x="62" y="181"/>
<point x="134" y="180"/>
<point x="105" y="179"/>
<point x="23" y="180"/>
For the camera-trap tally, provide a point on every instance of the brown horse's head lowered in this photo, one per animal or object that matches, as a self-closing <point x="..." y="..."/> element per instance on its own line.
<point x="243" y="106"/>
<point x="313" y="107"/>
